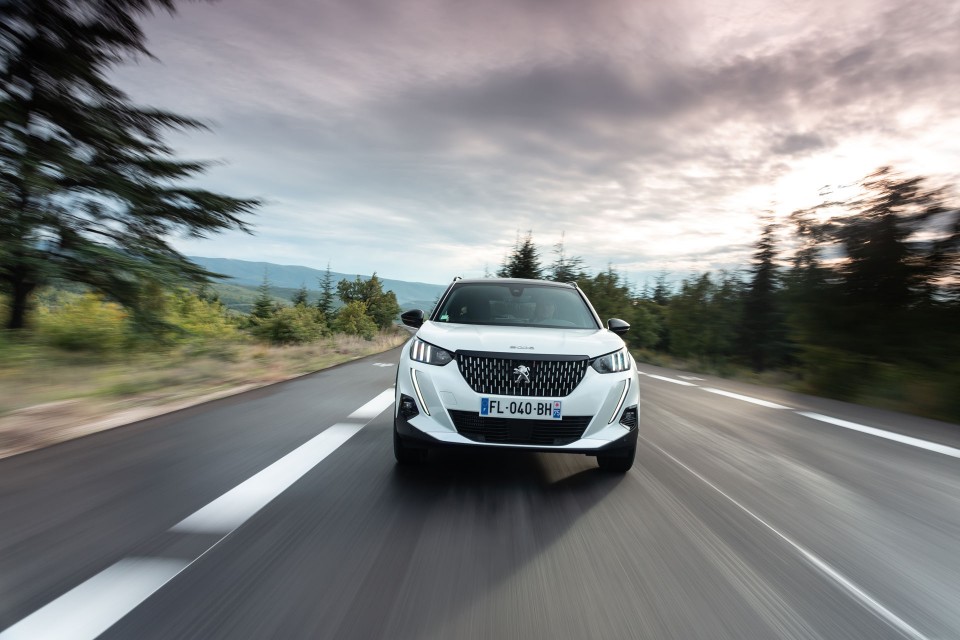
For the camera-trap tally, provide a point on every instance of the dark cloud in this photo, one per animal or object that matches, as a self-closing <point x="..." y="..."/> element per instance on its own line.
<point x="796" y="143"/>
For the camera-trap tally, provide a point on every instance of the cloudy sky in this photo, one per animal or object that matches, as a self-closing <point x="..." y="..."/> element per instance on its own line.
<point x="416" y="138"/>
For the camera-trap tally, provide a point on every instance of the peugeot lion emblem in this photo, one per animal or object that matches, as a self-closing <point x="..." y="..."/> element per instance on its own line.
<point x="523" y="373"/>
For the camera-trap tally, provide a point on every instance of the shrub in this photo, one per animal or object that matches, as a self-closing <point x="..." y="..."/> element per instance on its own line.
<point x="200" y="319"/>
<point x="85" y="323"/>
<point x="352" y="319"/>
<point x="290" y="325"/>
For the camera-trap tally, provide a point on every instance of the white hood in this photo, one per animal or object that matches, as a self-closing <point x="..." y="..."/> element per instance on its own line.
<point x="520" y="340"/>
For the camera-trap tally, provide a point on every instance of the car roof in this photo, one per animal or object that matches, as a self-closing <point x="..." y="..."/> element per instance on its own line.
<point x="526" y="281"/>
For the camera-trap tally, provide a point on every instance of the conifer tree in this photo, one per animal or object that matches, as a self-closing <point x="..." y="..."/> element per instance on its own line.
<point x="762" y="330"/>
<point x="264" y="305"/>
<point x="524" y="262"/>
<point x="327" y="293"/>
<point x="300" y="296"/>
<point x="89" y="191"/>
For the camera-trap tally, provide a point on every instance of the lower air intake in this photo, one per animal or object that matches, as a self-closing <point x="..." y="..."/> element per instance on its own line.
<point x="554" y="433"/>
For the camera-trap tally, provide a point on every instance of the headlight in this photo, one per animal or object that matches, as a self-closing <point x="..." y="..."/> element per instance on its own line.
<point x="427" y="353"/>
<point x="612" y="362"/>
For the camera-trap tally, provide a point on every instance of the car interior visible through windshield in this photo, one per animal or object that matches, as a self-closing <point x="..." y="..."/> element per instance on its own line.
<point x="516" y="305"/>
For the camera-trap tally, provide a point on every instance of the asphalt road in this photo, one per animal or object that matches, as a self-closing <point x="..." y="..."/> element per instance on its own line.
<point x="280" y="514"/>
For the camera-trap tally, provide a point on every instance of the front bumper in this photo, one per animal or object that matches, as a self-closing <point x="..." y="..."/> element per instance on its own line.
<point x="413" y="436"/>
<point x="437" y="390"/>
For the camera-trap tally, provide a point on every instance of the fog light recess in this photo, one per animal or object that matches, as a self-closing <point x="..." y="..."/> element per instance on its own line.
<point x="629" y="418"/>
<point x="408" y="407"/>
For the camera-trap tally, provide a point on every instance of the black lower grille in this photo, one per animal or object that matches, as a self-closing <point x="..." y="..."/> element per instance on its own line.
<point x="512" y="431"/>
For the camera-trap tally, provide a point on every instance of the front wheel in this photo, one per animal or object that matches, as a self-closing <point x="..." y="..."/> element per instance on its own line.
<point x="619" y="464"/>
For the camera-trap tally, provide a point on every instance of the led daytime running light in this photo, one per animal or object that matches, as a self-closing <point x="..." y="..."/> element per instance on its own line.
<point x="623" y="396"/>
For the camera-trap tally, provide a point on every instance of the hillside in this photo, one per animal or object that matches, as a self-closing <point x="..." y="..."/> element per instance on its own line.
<point x="285" y="279"/>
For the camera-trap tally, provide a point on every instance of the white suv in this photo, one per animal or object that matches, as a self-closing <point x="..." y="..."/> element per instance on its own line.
<point x="520" y="364"/>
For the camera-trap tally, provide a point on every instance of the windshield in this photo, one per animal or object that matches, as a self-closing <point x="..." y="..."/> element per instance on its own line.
<point x="511" y="304"/>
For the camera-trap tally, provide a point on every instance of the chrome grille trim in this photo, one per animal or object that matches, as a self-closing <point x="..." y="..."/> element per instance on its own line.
<point x="551" y="376"/>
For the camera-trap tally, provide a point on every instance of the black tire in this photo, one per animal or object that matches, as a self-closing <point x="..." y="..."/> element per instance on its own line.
<point x="618" y="464"/>
<point x="406" y="454"/>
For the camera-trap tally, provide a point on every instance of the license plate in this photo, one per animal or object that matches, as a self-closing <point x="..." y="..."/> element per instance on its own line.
<point x="520" y="408"/>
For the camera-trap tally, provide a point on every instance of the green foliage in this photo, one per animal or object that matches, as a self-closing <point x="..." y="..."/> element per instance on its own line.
<point x="200" y="319"/>
<point x="291" y="325"/>
<point x="353" y="320"/>
<point x="704" y="316"/>
<point x="263" y="305"/>
<point x="326" y="301"/>
<point x="523" y="262"/>
<point x="382" y="308"/>
<point x="763" y="328"/>
<point x="300" y="296"/>
<point x="611" y="298"/>
<point x="89" y="191"/>
<point x="566" y="268"/>
<point x="86" y="323"/>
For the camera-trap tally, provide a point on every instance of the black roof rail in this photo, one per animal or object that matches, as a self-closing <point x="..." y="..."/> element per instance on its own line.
<point x="455" y="278"/>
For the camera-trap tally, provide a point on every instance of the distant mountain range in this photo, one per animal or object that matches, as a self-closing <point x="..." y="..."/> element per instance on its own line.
<point x="285" y="279"/>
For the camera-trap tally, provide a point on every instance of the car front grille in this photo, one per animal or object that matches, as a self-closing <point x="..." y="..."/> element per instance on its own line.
<point x="499" y="376"/>
<point x="512" y="431"/>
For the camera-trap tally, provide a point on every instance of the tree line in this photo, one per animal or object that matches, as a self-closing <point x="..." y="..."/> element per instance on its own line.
<point x="857" y="299"/>
<point x="364" y="309"/>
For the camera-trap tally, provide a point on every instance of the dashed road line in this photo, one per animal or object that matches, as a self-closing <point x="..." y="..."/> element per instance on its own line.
<point x="887" y="435"/>
<point x="673" y="380"/>
<point x="92" y="607"/>
<point x="762" y="403"/>
<point x="375" y="407"/>
<point x="848" y="585"/>
<point x="853" y="426"/>
<point x="236" y="506"/>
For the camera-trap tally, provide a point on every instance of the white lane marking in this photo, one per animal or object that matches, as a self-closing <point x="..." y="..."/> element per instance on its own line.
<point x="233" y="508"/>
<point x="888" y="435"/>
<point x="847" y="584"/>
<point x="375" y="407"/>
<point x="690" y="377"/>
<point x="94" y="606"/>
<point x="762" y="403"/>
<point x="382" y="364"/>
<point x="673" y="380"/>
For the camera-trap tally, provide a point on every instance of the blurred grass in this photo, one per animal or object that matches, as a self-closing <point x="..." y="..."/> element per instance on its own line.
<point x="829" y="373"/>
<point x="88" y="351"/>
<point x="33" y="373"/>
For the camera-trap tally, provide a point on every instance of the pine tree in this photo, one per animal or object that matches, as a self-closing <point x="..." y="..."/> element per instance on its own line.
<point x="300" y="296"/>
<point x="524" y="262"/>
<point x="263" y="306"/>
<point x="89" y="192"/>
<point x="565" y="269"/>
<point x="327" y="288"/>
<point x="762" y="330"/>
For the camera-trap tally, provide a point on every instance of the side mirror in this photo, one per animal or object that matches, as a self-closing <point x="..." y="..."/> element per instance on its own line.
<point x="412" y="318"/>
<point x="618" y="326"/>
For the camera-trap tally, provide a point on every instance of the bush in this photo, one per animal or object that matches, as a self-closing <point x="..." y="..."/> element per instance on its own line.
<point x="200" y="319"/>
<point x="290" y="325"/>
<point x="352" y="319"/>
<point x="85" y="323"/>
